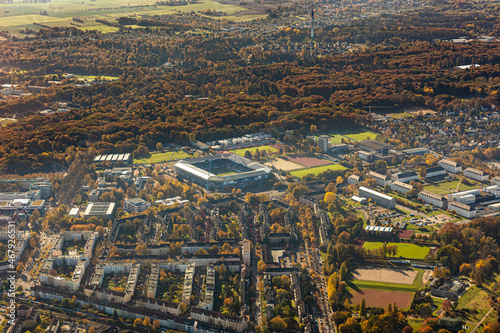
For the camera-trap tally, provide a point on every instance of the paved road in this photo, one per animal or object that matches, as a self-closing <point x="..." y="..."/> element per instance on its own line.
<point x="479" y="324"/>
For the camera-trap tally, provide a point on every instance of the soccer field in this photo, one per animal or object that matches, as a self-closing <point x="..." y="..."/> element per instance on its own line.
<point x="162" y="157"/>
<point x="316" y="170"/>
<point x="411" y="251"/>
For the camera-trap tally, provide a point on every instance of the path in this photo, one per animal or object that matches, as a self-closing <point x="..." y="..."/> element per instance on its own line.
<point x="479" y="324"/>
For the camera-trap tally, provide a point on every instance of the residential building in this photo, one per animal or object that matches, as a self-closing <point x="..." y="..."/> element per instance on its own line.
<point x="476" y="174"/>
<point x="401" y="187"/>
<point x="433" y="199"/>
<point x="381" y="180"/>
<point x="324" y="143"/>
<point x="435" y="172"/>
<point x="462" y="209"/>
<point x="353" y="179"/>
<point x="450" y="166"/>
<point x="227" y="321"/>
<point x="405" y="177"/>
<point x="416" y="151"/>
<point x="136" y="205"/>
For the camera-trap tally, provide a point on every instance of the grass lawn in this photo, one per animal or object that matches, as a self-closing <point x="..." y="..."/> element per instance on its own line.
<point x="447" y="187"/>
<point x="404" y="250"/>
<point x="401" y="115"/>
<point x="474" y="298"/>
<point x="252" y="150"/>
<point x="425" y="230"/>
<point x="316" y="170"/>
<point x="160" y="157"/>
<point x="362" y="136"/>
<point x="415" y="322"/>
<point x="94" y="77"/>
<point x="437" y="302"/>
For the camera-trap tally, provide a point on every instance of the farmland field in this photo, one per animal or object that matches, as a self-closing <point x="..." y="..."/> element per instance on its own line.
<point x="448" y="187"/>
<point x="380" y="298"/>
<point x="316" y="170"/>
<point x="404" y="250"/>
<point x="14" y="17"/>
<point x="161" y="157"/>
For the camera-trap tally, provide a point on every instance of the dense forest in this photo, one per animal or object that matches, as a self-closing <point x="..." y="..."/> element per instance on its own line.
<point x="224" y="86"/>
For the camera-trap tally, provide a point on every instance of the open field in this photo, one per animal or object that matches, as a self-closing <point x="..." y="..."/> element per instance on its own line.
<point x="381" y="298"/>
<point x="309" y="162"/>
<point x="400" y="115"/>
<point x="382" y="285"/>
<point x="448" y="187"/>
<point x="17" y="16"/>
<point x="161" y="157"/>
<point x="411" y="251"/>
<point x="282" y="164"/>
<point x="362" y="136"/>
<point x="386" y="275"/>
<point x="316" y="170"/>
<point x="252" y="150"/>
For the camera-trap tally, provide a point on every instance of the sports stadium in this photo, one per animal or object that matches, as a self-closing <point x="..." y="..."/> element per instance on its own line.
<point x="222" y="170"/>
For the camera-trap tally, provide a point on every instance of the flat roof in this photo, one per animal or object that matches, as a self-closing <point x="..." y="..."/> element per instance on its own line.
<point x="382" y="195"/>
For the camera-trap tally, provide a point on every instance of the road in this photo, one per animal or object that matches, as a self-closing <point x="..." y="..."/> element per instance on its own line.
<point x="479" y="324"/>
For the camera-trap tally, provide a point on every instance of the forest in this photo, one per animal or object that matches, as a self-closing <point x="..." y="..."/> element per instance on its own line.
<point x="224" y="86"/>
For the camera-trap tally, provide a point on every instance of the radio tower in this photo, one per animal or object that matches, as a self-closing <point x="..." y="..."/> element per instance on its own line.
<point x="312" y="27"/>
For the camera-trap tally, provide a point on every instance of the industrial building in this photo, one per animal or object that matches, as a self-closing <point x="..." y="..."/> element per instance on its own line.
<point x="416" y="151"/>
<point x="464" y="197"/>
<point x="379" y="198"/>
<point x="433" y="199"/>
<point x="246" y="140"/>
<point x="450" y="166"/>
<point x="476" y="174"/>
<point x="223" y="170"/>
<point x="493" y="189"/>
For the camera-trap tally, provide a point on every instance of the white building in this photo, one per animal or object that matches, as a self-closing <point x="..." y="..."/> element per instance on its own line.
<point x="401" y="187"/>
<point x="405" y="176"/>
<point x="450" y="166"/>
<point x="493" y="189"/>
<point x="353" y="179"/>
<point x="381" y="180"/>
<point x="436" y="171"/>
<point x="136" y="205"/>
<point x="380" y="198"/>
<point x="464" y="196"/>
<point x="476" y="174"/>
<point x="433" y="199"/>
<point x="462" y="209"/>
<point x="495" y="180"/>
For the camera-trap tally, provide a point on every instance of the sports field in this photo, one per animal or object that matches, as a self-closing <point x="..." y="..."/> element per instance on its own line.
<point x="410" y="251"/>
<point x="381" y="298"/>
<point x="252" y="150"/>
<point x="316" y="170"/>
<point x="362" y="136"/>
<point x="282" y="164"/>
<point x="386" y="275"/>
<point x="163" y="157"/>
<point x="449" y="187"/>
<point x="223" y="172"/>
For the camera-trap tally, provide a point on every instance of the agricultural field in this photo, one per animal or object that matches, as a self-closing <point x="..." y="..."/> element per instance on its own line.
<point x="386" y="275"/>
<point x="252" y="150"/>
<point x="448" y="187"/>
<point x="404" y="250"/>
<point x="380" y="298"/>
<point x="161" y="157"/>
<point x="316" y="170"/>
<point x="14" y="17"/>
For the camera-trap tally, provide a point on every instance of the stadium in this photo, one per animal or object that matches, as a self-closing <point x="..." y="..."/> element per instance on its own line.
<point x="223" y="170"/>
